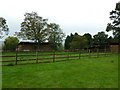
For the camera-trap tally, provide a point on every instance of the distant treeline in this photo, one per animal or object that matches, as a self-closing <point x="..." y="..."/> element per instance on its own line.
<point x="76" y="41"/>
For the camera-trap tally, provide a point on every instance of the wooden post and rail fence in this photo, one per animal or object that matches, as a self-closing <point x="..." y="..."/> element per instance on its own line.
<point x="32" y="57"/>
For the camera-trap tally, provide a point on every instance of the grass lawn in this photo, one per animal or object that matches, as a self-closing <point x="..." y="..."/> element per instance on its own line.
<point x="81" y="73"/>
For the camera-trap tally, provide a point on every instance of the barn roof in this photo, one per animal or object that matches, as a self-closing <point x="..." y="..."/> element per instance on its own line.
<point x="115" y="44"/>
<point x="108" y="44"/>
<point x="31" y="43"/>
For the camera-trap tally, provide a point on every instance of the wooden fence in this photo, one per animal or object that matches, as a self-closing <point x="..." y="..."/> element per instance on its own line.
<point x="32" y="57"/>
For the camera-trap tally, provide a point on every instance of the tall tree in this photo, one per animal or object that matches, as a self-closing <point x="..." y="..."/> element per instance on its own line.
<point x="115" y="25"/>
<point x="3" y="27"/>
<point x="56" y="35"/>
<point x="10" y="43"/>
<point x="68" y="40"/>
<point x="76" y="33"/>
<point x="34" y="28"/>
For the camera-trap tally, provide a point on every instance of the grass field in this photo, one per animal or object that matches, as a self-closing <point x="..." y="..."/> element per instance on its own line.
<point x="81" y="73"/>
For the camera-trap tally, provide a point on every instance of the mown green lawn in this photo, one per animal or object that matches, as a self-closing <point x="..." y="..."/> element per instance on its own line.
<point x="81" y="73"/>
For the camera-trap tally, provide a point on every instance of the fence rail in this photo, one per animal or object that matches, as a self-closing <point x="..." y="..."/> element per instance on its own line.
<point x="32" y="57"/>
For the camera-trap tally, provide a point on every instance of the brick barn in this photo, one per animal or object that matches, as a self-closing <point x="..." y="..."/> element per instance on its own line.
<point x="31" y="46"/>
<point x="114" y="47"/>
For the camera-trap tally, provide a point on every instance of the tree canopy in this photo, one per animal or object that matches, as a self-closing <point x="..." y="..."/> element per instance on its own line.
<point x="3" y="27"/>
<point x="38" y="29"/>
<point x="100" y="38"/>
<point x="10" y="43"/>
<point x="68" y="40"/>
<point x="56" y="35"/>
<point x="78" y="42"/>
<point x="89" y="39"/>
<point x="115" y="25"/>
<point x="33" y="27"/>
<point x="75" y="41"/>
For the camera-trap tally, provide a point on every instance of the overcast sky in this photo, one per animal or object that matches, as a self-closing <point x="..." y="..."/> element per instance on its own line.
<point x="82" y="16"/>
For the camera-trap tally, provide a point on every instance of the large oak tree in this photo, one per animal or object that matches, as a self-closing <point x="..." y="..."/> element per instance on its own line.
<point x="34" y="28"/>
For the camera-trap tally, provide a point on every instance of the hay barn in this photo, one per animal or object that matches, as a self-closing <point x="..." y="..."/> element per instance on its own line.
<point x="115" y="47"/>
<point x="31" y="46"/>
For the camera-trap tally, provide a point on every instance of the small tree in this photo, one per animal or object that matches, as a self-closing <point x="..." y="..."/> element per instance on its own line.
<point x="10" y="43"/>
<point x="78" y="42"/>
<point x="3" y="27"/>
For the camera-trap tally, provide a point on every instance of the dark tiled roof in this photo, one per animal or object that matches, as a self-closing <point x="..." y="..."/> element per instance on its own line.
<point x="108" y="44"/>
<point x="115" y="44"/>
<point x="31" y="43"/>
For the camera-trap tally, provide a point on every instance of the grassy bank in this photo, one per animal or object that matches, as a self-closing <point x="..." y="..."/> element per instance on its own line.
<point x="82" y="73"/>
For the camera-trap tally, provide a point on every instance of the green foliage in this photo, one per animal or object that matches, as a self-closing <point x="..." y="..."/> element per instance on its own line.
<point x="56" y="36"/>
<point x="89" y="39"/>
<point x="100" y="38"/>
<point x="3" y="27"/>
<point x="75" y="41"/>
<point x="36" y="28"/>
<point x="33" y="27"/>
<point x="68" y="40"/>
<point x="116" y="39"/>
<point x="110" y="40"/>
<point x="115" y="25"/>
<point x="10" y="43"/>
<point x="78" y="42"/>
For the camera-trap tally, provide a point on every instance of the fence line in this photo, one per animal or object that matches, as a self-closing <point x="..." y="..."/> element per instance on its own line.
<point x="32" y="57"/>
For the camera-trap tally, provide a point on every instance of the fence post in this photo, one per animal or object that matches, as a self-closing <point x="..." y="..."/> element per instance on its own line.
<point x="89" y="53"/>
<point x="97" y="52"/>
<point x="36" y="56"/>
<point x="105" y="51"/>
<point x="54" y="56"/>
<point x="68" y="54"/>
<point x="16" y="57"/>
<point x="79" y="54"/>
